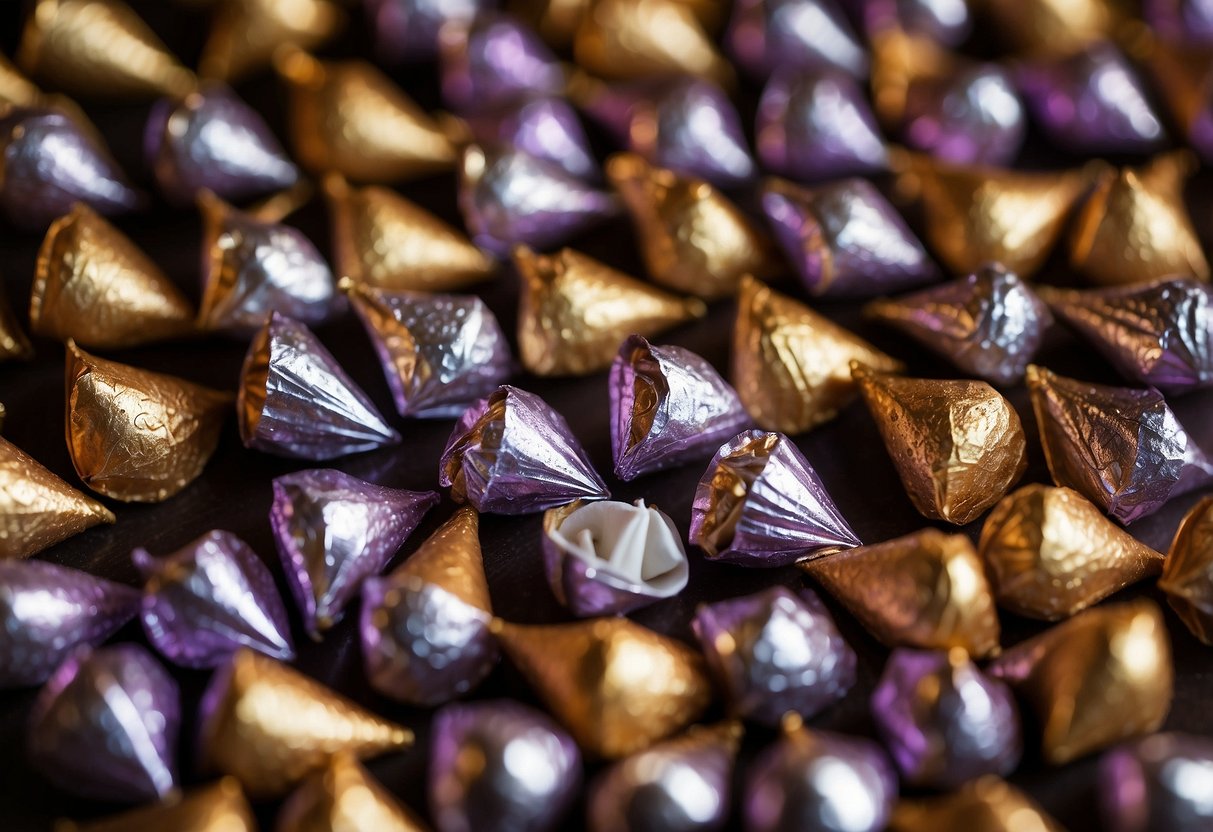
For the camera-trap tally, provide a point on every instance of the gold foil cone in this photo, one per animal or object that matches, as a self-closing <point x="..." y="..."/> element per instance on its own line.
<point x="1099" y="678"/>
<point x="1134" y="228"/>
<point x="270" y="726"/>
<point x="37" y="509"/>
<point x="13" y="343"/>
<point x="1051" y="552"/>
<point x="99" y="48"/>
<point x="1182" y="73"/>
<point x="247" y="33"/>
<point x="615" y="685"/>
<point x="381" y="239"/>
<point x="1187" y="573"/>
<point x="1054" y="27"/>
<point x="900" y="60"/>
<point x="92" y="284"/>
<point x="792" y="366"/>
<point x="957" y="445"/>
<point x="692" y="238"/>
<point x="344" y="798"/>
<point x="988" y="804"/>
<point x="348" y="117"/>
<point x="135" y="435"/>
<point x="450" y="558"/>
<point x="219" y="807"/>
<point x="15" y="88"/>
<point x="925" y="590"/>
<point x="557" y="21"/>
<point x="574" y="312"/>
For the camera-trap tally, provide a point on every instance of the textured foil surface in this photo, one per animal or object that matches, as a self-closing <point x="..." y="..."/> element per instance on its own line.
<point x="342" y="797"/>
<point x="1144" y="784"/>
<point x="625" y="39"/>
<point x="246" y="36"/>
<point x="989" y="804"/>
<point x="493" y="60"/>
<point x="1187" y="572"/>
<point x="219" y="807"/>
<point x="767" y="35"/>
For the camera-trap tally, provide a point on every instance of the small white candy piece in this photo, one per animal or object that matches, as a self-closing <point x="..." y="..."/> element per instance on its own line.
<point x="636" y="543"/>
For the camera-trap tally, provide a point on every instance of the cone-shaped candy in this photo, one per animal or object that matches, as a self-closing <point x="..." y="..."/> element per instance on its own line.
<point x="493" y="60"/>
<point x="1187" y="573"/>
<point x="135" y="435"/>
<point x="1143" y="784"/>
<point x="988" y="804"/>
<point x="628" y="39"/>
<point x="270" y="726"/>
<point x="926" y="589"/>
<point x="947" y="22"/>
<point x="1181" y="70"/>
<point x="574" y="311"/>
<point x="14" y="345"/>
<point x="246" y="35"/>
<point x="220" y="807"/>
<point x="343" y="798"/>
<point x="546" y="128"/>
<point x="16" y="89"/>
<point x="1054" y="27"/>
<point x="769" y="35"/>
<point x="92" y="284"/>
<point x="409" y="29"/>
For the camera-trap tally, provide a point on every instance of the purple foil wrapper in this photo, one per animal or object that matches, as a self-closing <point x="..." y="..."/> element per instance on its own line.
<point x="511" y="453"/>
<point x="944" y="721"/>
<point x="50" y="164"/>
<point x="46" y="611"/>
<point x="212" y="140"/>
<point x="105" y="726"/>
<point x="1157" y="783"/>
<point x="946" y="22"/>
<point x="527" y="773"/>
<point x="817" y="125"/>
<point x="774" y="652"/>
<point x="974" y="116"/>
<point x="766" y="35"/>
<point x="493" y="60"/>
<point x="334" y="531"/>
<point x="409" y="29"/>
<point x="844" y="239"/>
<point x="297" y="401"/>
<point x="546" y="128"/>
<point x="786" y="515"/>
<point x="1180" y="20"/>
<point x="668" y="407"/>
<point x="208" y="599"/>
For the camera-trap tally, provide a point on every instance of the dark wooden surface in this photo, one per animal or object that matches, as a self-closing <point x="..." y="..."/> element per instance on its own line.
<point x="234" y="491"/>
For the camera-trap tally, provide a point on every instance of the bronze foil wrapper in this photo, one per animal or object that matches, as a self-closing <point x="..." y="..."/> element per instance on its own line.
<point x="1187" y="574"/>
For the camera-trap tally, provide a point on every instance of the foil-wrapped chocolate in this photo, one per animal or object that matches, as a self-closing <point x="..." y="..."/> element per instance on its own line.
<point x="691" y="237"/>
<point x="1121" y="447"/>
<point x="990" y="323"/>
<point x="545" y="127"/>
<point x="775" y="652"/>
<point x="817" y="125"/>
<point x="210" y="139"/>
<point x="958" y="446"/>
<point x="574" y="311"/>
<point x="219" y="807"/>
<point x="344" y="797"/>
<point x="1181" y="70"/>
<point x="1157" y="783"/>
<point x="37" y="509"/>
<point x="296" y="401"/>
<point x="1101" y="677"/>
<point x="587" y="674"/>
<point x="769" y="35"/>
<point x="105" y="726"/>
<point x="844" y="239"/>
<point x="493" y="59"/>
<point x="1135" y="228"/>
<point x="51" y="163"/>
<point x="1179" y="20"/>
<point x="47" y="611"/>
<point x="439" y="353"/>
<point x="526" y="775"/>
<point x="608" y="558"/>
<point x="511" y="453"/>
<point x="1054" y="27"/>
<point x="927" y="590"/>
<point x="410" y="29"/>
<point x="135" y="435"/>
<point x="760" y="503"/>
<point x="17" y="90"/>
<point x="246" y="35"/>
<point x="791" y="365"/>
<point x="668" y="407"/>
<point x="270" y="726"/>
<point x="14" y="344"/>
<point x="988" y="804"/>
<point x="945" y="722"/>
<point x="558" y="20"/>
<point x="92" y="284"/>
<point x="1187" y="572"/>
<point x="425" y="627"/>
<point x="948" y="22"/>
<point x="381" y="239"/>
<point x="209" y="599"/>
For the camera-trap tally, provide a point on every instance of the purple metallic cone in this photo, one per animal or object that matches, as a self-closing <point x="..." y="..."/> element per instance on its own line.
<point x="407" y="30"/>
<point x="212" y="140"/>
<point x="1180" y="20"/>
<point x="296" y="401"/>
<point x="817" y="125"/>
<point x="774" y="652"/>
<point x="526" y="775"/>
<point x="844" y="238"/>
<point x="333" y="531"/>
<point x="668" y="407"/>
<point x="546" y="128"/>
<point x="208" y="599"/>
<point x="50" y="164"/>
<point x="46" y="611"/>
<point x="989" y="324"/>
<point x="509" y="198"/>
<point x="1091" y="102"/>
<point x="785" y="513"/>
<point x="105" y="726"/>
<point x="815" y="780"/>
<point x="440" y="353"/>
<point x="766" y="35"/>
<point x="511" y="453"/>
<point x="946" y="22"/>
<point x="973" y="116"/>
<point x="493" y="60"/>
<point x="1156" y="783"/>
<point x="944" y="721"/>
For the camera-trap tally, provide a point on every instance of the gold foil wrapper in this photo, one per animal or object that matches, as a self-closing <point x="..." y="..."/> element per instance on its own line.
<point x="925" y="590"/>
<point x="247" y="33"/>
<point x="1187" y="573"/>
<point x="451" y="558"/>
<point x="345" y="798"/>
<point x="900" y="60"/>
<point x="557" y="21"/>
<point x="219" y="807"/>
<point x="618" y="687"/>
<point x="1054" y="27"/>
<point x="1050" y="553"/>
<point x="692" y="238"/>
<point x="1101" y="677"/>
<point x="792" y="366"/>
<point x="574" y="312"/>
<point x="135" y="435"/>
<point x="988" y="804"/>
<point x="13" y="343"/>
<point x="1182" y="73"/>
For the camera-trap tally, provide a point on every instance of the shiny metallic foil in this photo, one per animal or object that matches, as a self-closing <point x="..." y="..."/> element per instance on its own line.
<point x="219" y="807"/>
<point x="1054" y="27"/>
<point x="408" y="30"/>
<point x="1187" y="574"/>
<point x="989" y="804"/>
<point x="344" y="798"/>
<point x="948" y="22"/>
<point x="768" y="35"/>
<point x="246" y="35"/>
<point x="14" y="345"/>
<point x="1145" y="785"/>
<point x="1181" y="69"/>
<point x="557" y="20"/>
<point x="134" y="435"/>
<point x="546" y="128"/>
<point x="627" y="39"/>
<point x="493" y="60"/>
